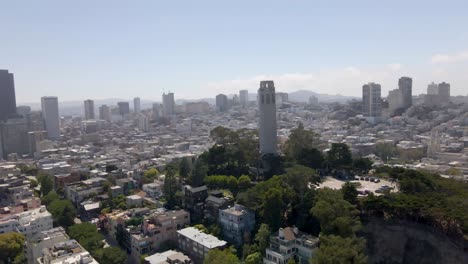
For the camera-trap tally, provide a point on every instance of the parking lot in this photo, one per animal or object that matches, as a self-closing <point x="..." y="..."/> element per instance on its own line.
<point x="336" y="184"/>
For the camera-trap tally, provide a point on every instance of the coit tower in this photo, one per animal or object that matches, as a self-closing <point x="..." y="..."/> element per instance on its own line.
<point x="267" y="120"/>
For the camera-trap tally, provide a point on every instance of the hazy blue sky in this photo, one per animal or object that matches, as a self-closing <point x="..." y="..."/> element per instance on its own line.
<point x="121" y="49"/>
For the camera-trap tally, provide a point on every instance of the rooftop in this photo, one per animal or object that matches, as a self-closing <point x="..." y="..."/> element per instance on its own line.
<point x="206" y="240"/>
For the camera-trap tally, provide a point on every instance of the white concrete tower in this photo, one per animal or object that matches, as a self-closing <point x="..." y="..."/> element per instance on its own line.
<point x="89" y="109"/>
<point x="137" y="105"/>
<point x="267" y="122"/>
<point x="50" y="114"/>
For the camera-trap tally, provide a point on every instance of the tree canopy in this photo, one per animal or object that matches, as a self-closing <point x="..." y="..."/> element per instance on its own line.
<point x="339" y="156"/>
<point x="216" y="256"/>
<point x="335" y="249"/>
<point x="87" y="235"/>
<point x="110" y="255"/>
<point x="11" y="248"/>
<point x="63" y="212"/>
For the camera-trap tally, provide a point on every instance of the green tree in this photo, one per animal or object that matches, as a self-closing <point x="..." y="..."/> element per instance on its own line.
<point x="350" y="192"/>
<point x="184" y="168"/>
<point x="47" y="184"/>
<point x="362" y="165"/>
<point x="33" y="184"/>
<point x="244" y="182"/>
<point x="262" y="238"/>
<point x="231" y="183"/>
<point x="216" y="256"/>
<point x="202" y="228"/>
<point x="87" y="235"/>
<point x="199" y="173"/>
<point x="335" y="215"/>
<point x="110" y="255"/>
<point x="310" y="157"/>
<point x="11" y="247"/>
<point x="385" y="151"/>
<point x="49" y="198"/>
<point x="149" y="175"/>
<point x="254" y="258"/>
<point x="291" y="261"/>
<point x="339" y="156"/>
<point x="171" y="186"/>
<point x="272" y="208"/>
<point x="63" y="212"/>
<point x="336" y="249"/>
<point x="300" y="139"/>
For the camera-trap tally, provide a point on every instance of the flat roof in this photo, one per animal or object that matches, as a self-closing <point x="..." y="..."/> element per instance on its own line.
<point x="208" y="241"/>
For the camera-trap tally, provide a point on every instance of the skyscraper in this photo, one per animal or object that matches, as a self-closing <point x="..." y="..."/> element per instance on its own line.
<point x="371" y="101"/>
<point x="50" y="114"/>
<point x="136" y="105"/>
<point x="244" y="97"/>
<point x="89" y="109"/>
<point x="124" y="108"/>
<point x="7" y="95"/>
<point x="221" y="102"/>
<point x="267" y="121"/>
<point x="444" y="92"/>
<point x="168" y="104"/>
<point x="104" y="113"/>
<point x="405" y="84"/>
<point x="433" y="88"/>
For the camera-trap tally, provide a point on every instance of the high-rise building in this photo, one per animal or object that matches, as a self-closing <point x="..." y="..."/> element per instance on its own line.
<point x="50" y="114"/>
<point x="23" y="110"/>
<point x="267" y="121"/>
<point x="168" y="104"/>
<point x="124" y="108"/>
<point x="371" y="101"/>
<point x="104" y="113"/>
<point x="143" y="123"/>
<point x="221" y="102"/>
<point x="156" y="111"/>
<point x="281" y="98"/>
<point x="7" y="95"/>
<point x="89" y="109"/>
<point x="405" y="84"/>
<point x="444" y="92"/>
<point x="136" y="104"/>
<point x="395" y="100"/>
<point x="244" y="97"/>
<point x="13" y="136"/>
<point x="437" y="94"/>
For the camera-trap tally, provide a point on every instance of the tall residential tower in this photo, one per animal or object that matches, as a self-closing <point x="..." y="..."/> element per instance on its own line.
<point x="50" y="114"/>
<point x="7" y="95"/>
<point x="267" y="120"/>
<point x="89" y="109"/>
<point x="371" y="102"/>
<point x="168" y="104"/>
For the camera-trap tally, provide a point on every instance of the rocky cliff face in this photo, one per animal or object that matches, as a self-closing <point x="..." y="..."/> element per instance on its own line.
<point x="404" y="242"/>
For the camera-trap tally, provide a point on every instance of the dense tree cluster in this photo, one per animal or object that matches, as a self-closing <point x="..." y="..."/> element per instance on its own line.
<point x="12" y="248"/>
<point x="425" y="198"/>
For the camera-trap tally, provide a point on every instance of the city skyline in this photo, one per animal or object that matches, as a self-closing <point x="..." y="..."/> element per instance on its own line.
<point x="203" y="49"/>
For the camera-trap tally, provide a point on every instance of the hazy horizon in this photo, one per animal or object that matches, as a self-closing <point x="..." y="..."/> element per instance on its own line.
<point x="121" y="49"/>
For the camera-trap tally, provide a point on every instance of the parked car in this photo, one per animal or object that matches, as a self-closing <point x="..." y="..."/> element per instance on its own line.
<point x="377" y="180"/>
<point x="361" y="178"/>
<point x="367" y="178"/>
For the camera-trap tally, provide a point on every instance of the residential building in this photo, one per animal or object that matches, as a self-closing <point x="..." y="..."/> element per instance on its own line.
<point x="69" y="251"/>
<point x="194" y="200"/>
<point x="104" y="113"/>
<point x="237" y="224"/>
<point x="197" y="107"/>
<point x="267" y="122"/>
<point x="28" y="223"/>
<point x="168" y="104"/>
<point x="14" y="137"/>
<point x="244" y="97"/>
<point x="124" y="108"/>
<point x="168" y="257"/>
<point x="44" y="239"/>
<point x="405" y="85"/>
<point x="289" y="243"/>
<point x="34" y="139"/>
<point x="7" y="95"/>
<point x="222" y="103"/>
<point x="372" y="102"/>
<point x="89" y="109"/>
<point x="50" y="114"/>
<point x="143" y="123"/>
<point x="156" y="229"/>
<point x="395" y="100"/>
<point x="196" y="244"/>
<point x="137" y="105"/>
